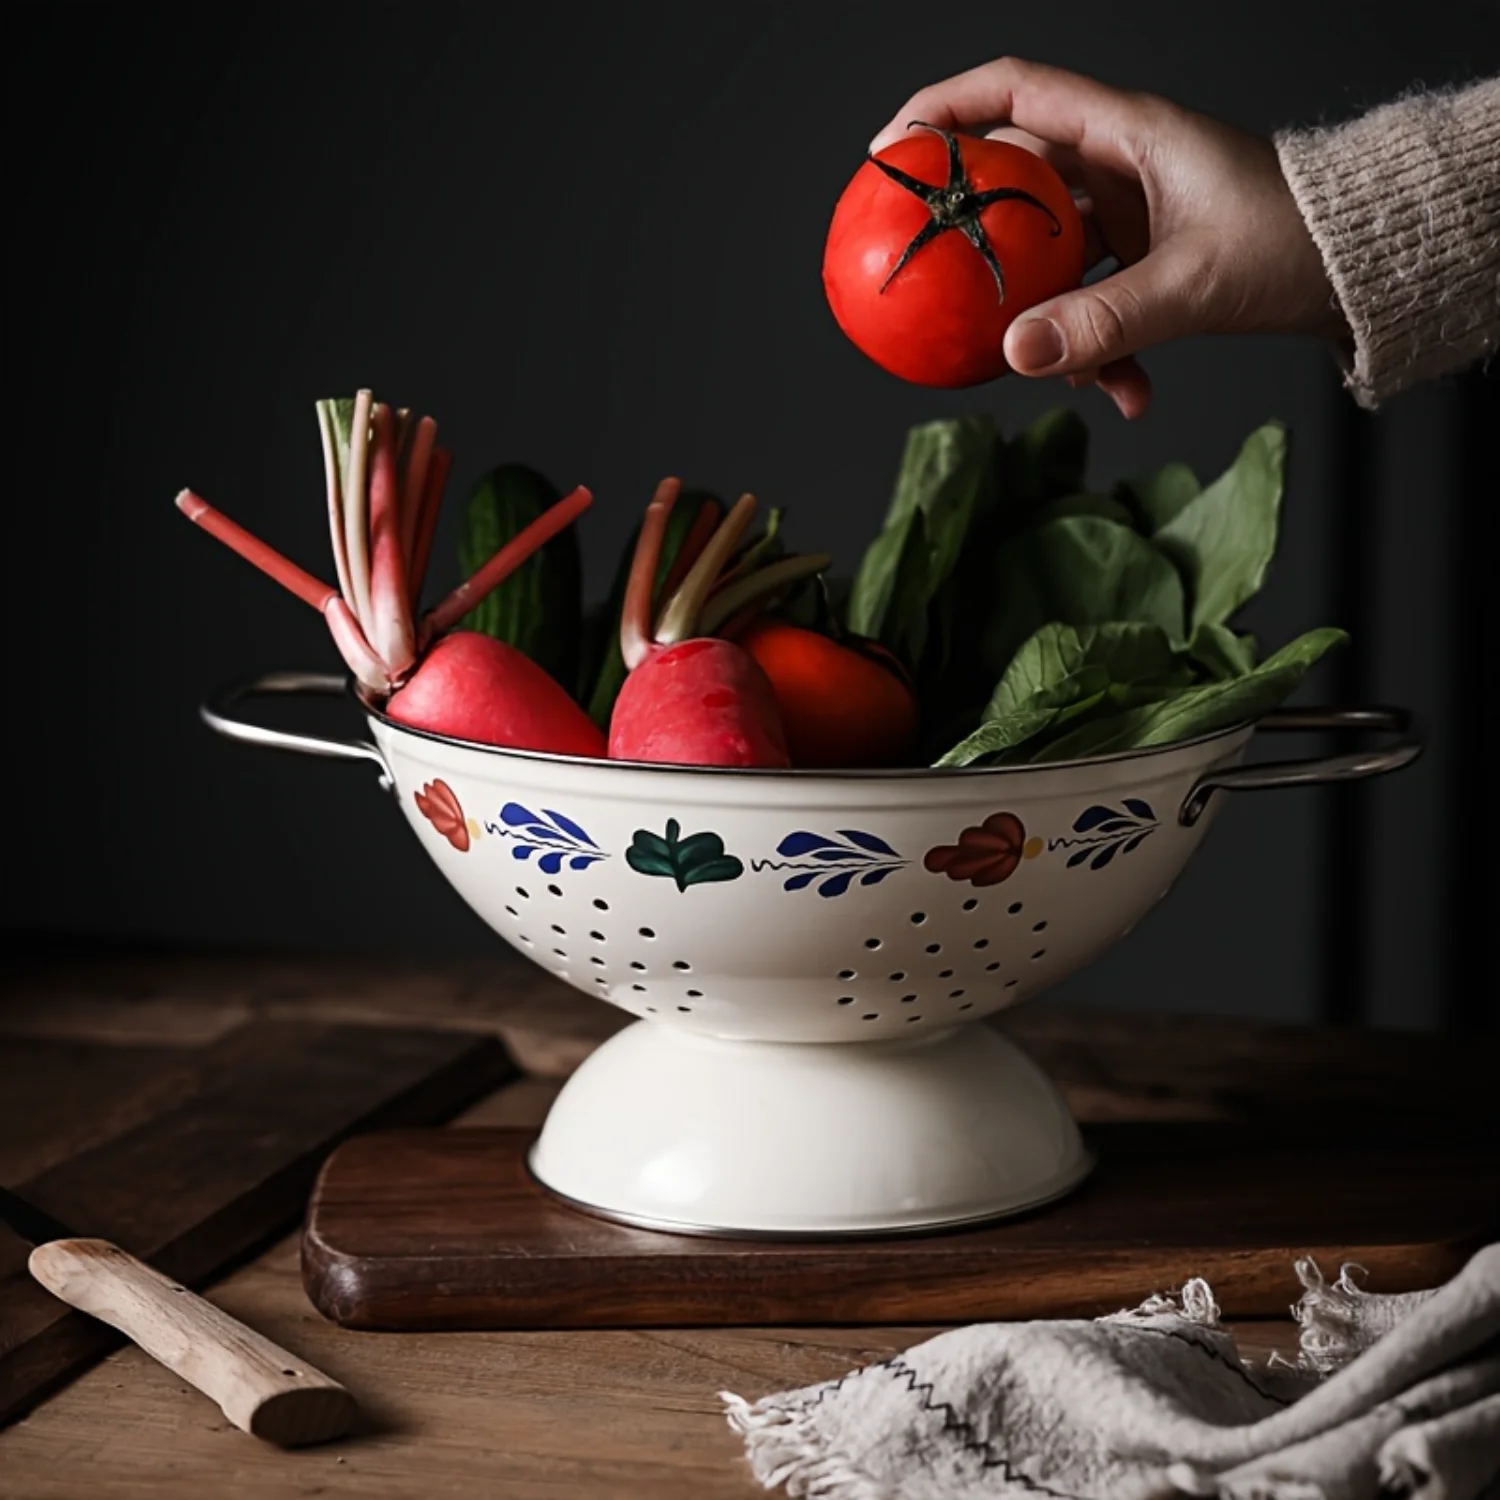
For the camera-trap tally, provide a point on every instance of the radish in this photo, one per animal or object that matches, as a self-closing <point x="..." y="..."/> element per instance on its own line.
<point x="385" y="485"/>
<point x="472" y="687"/>
<point x="690" y="698"/>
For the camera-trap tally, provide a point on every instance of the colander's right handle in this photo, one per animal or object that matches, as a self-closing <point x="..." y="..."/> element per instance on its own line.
<point x="215" y="713"/>
<point x="1352" y="766"/>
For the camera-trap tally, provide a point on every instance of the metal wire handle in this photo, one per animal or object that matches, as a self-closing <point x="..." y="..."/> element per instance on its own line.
<point x="1352" y="766"/>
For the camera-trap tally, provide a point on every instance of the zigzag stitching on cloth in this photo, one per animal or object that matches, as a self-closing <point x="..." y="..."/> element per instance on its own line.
<point x="968" y="1438"/>
<point x="1219" y="1357"/>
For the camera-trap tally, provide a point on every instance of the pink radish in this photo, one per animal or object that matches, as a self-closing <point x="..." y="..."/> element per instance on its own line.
<point x="473" y="687"/>
<point x="383" y="500"/>
<point x="693" y="699"/>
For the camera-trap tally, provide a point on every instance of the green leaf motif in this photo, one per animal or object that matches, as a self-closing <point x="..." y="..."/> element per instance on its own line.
<point x="699" y="859"/>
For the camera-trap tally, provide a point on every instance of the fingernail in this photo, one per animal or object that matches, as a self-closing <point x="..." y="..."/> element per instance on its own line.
<point x="1036" y="344"/>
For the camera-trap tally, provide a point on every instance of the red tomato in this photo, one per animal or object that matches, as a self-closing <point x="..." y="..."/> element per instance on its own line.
<point x="938" y="244"/>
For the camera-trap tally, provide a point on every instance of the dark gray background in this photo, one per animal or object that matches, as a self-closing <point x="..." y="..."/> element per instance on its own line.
<point x="588" y="238"/>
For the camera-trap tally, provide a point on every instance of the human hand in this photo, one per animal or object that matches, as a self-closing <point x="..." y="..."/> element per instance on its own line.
<point x="1196" y="213"/>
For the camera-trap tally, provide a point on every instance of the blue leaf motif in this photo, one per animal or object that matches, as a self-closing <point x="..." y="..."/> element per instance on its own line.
<point x="521" y="851"/>
<point x="1091" y="817"/>
<point x="580" y="861"/>
<point x="799" y="882"/>
<point x="551" y="862"/>
<point x="1137" y="841"/>
<point x="868" y="841"/>
<point x="1139" y="808"/>
<point x="1104" y="856"/>
<point x="514" y="814"/>
<point x="874" y="877"/>
<point x="794" y="845"/>
<point x="836" y="885"/>
<point x="833" y="852"/>
<point x="540" y="831"/>
<point x="569" y="827"/>
<point x="1077" y="859"/>
<point x="1117" y="825"/>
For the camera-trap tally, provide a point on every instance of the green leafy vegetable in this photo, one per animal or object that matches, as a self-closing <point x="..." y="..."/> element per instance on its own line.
<point x="1158" y="498"/>
<point x="538" y="609"/>
<point x="1223" y="539"/>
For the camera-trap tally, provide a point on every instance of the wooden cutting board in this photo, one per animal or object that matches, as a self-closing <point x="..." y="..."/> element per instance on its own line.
<point x="214" y="1152"/>
<point x="447" y="1230"/>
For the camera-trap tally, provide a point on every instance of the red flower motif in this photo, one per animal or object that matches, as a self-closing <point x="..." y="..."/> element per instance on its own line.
<point x="438" y="804"/>
<point x="985" y="855"/>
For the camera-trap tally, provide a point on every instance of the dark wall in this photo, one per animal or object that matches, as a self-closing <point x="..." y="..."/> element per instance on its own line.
<point x="588" y="238"/>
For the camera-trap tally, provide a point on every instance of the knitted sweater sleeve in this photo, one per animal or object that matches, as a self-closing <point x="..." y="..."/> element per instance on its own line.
<point x="1404" y="206"/>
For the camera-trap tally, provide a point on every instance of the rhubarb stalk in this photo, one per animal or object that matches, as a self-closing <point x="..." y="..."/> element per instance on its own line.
<point x="389" y="627"/>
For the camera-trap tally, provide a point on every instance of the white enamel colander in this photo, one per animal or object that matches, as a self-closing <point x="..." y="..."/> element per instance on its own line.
<point x="806" y="952"/>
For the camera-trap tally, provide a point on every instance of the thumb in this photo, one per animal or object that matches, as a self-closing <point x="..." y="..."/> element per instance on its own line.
<point x="1144" y="304"/>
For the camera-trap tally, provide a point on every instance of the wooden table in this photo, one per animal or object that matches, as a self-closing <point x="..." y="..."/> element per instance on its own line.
<point x="549" y="1415"/>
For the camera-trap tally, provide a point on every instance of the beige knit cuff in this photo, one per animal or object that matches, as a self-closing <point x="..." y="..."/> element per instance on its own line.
<point x="1404" y="206"/>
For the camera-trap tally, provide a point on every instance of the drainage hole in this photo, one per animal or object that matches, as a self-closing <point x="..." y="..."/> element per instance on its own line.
<point x="945" y="973"/>
<point x="527" y="940"/>
<point x="982" y="943"/>
<point x="651" y="1010"/>
<point x="646" y="932"/>
<point x="918" y="917"/>
<point x="912" y="1020"/>
<point x="870" y="1016"/>
<point x="600" y="905"/>
<point x="970" y="904"/>
<point x="908" y="999"/>
<point x="872" y="942"/>
<point x="934" y="947"/>
<point x="1040" y="953"/>
<point x="638" y="966"/>
<point x="695" y="994"/>
<point x="686" y="1009"/>
<point x="1014" y="908"/>
<point x="898" y="976"/>
<point x="1039" y="927"/>
<point x="554" y="890"/>
<point x="513" y="911"/>
<point x="1010" y="984"/>
<point x="846" y="973"/>
<point x="597" y="962"/>
<point x="846" y="999"/>
<point x="640" y="989"/>
<point x="967" y="1005"/>
<point x="990" y="968"/>
<point x="598" y="937"/>
<point x="560" y="931"/>
<point x="681" y="963"/>
<point x="955" y="994"/>
<point x="600" y="979"/>
<point x="523" y="893"/>
<point x="559" y="953"/>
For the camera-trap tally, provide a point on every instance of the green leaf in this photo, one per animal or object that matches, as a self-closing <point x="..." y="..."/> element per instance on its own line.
<point x="1160" y="497"/>
<point x="539" y="608"/>
<point x="727" y="867"/>
<point x="995" y="737"/>
<point x="946" y="480"/>
<point x="1046" y="461"/>
<point x="1083" y="504"/>
<point x="1081" y="570"/>
<point x="1221" y="653"/>
<point x="610" y="674"/>
<point x="1124" y="651"/>
<point x="1200" y="710"/>
<point x="1223" y="539"/>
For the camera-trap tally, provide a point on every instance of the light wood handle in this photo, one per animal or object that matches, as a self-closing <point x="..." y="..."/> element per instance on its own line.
<point x="262" y="1389"/>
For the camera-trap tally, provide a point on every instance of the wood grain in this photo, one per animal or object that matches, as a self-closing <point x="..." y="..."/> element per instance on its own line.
<point x="262" y="1388"/>
<point x="224" y="1165"/>
<point x="447" y="1229"/>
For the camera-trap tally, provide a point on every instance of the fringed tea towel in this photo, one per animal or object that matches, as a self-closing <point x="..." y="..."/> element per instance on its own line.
<point x="1391" y="1396"/>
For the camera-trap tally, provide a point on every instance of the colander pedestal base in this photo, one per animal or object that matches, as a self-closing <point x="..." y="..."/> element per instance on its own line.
<point x="696" y="1135"/>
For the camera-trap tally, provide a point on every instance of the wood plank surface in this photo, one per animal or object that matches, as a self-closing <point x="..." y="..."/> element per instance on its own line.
<point x="222" y="1163"/>
<point x="580" y="1414"/>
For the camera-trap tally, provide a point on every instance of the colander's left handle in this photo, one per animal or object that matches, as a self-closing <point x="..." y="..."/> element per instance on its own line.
<point x="215" y="714"/>
<point x="1353" y="765"/>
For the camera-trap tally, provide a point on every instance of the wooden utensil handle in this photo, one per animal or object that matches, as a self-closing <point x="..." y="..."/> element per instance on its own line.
<point x="261" y="1388"/>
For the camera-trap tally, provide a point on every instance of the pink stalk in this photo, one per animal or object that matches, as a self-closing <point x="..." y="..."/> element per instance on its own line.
<point x="427" y="519"/>
<point x="356" y="510"/>
<point x="367" y="667"/>
<point x="510" y="557"/>
<point x="680" y="614"/>
<point x="389" y="627"/>
<point x="256" y="552"/>
<point x="636" y="624"/>
<point x="414" y="489"/>
<point x="335" y="498"/>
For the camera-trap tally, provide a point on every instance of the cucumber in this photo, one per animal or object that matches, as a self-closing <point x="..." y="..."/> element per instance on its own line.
<point x="539" y="608"/>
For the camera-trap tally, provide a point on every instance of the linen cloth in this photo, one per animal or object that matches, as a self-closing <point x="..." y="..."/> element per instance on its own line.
<point x="1390" y="1396"/>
